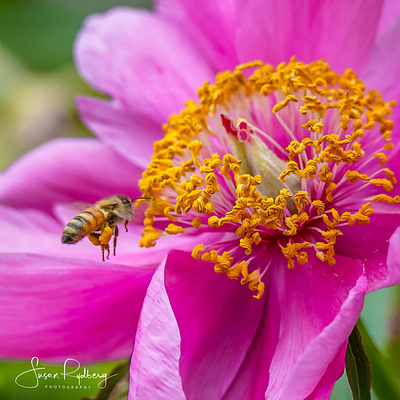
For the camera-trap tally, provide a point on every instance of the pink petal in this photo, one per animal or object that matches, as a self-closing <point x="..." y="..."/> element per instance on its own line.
<point x="382" y="73"/>
<point x="68" y="308"/>
<point x="322" y="312"/>
<point x="66" y="170"/>
<point x="334" y="371"/>
<point x="393" y="262"/>
<point x="130" y="135"/>
<point x="217" y="319"/>
<point x="129" y="253"/>
<point x="302" y="304"/>
<point x="211" y="25"/>
<point x="313" y="363"/>
<point x="141" y="60"/>
<point x="390" y="10"/>
<point x="251" y="379"/>
<point x="371" y="247"/>
<point x="382" y="69"/>
<point x="154" y="372"/>
<point x="20" y="230"/>
<point x="341" y="32"/>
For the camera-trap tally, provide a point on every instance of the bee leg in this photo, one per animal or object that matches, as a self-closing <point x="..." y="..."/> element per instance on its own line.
<point x="108" y="251"/>
<point x="94" y="238"/>
<point x="116" y="232"/>
<point x="126" y="225"/>
<point x="104" y="239"/>
<point x="102" y="252"/>
<point x="105" y="247"/>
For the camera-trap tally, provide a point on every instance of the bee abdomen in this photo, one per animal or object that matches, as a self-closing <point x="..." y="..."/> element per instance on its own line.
<point x="87" y="221"/>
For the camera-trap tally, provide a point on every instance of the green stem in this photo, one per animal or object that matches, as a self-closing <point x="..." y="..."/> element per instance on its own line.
<point x="384" y="384"/>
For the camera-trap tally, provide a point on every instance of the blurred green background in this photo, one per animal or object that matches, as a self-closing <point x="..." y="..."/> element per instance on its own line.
<point x="38" y="84"/>
<point x="38" y="80"/>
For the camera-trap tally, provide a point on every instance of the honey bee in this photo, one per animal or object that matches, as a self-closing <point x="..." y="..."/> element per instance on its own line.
<point x="100" y="222"/>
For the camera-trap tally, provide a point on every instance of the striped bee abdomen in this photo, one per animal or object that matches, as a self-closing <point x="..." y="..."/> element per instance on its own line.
<point x="87" y="221"/>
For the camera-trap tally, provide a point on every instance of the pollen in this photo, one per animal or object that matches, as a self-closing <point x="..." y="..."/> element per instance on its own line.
<point x="269" y="164"/>
<point x="106" y="235"/>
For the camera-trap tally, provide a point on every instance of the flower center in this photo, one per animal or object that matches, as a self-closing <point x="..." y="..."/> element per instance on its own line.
<point x="268" y="159"/>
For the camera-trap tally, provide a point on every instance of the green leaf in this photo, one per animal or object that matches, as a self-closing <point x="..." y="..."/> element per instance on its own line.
<point x="117" y="385"/>
<point x="41" y="33"/>
<point x="121" y="390"/>
<point x="384" y="383"/>
<point x="358" y="367"/>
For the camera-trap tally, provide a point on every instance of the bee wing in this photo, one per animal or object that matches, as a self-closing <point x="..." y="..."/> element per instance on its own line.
<point x="138" y="211"/>
<point x="124" y="214"/>
<point x="67" y="211"/>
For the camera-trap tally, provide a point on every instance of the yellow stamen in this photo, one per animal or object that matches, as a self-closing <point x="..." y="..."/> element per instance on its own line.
<point x="301" y="199"/>
<point x="283" y="103"/>
<point x="319" y="205"/>
<point x="313" y="126"/>
<point x="196" y="250"/>
<point x="386" y="199"/>
<point x="390" y="175"/>
<point x="362" y="216"/>
<point x="386" y="184"/>
<point x="173" y="229"/>
<point x="291" y="250"/>
<point x="330" y="252"/>
<point x="196" y="223"/>
<point x="222" y="175"/>
<point x="329" y="190"/>
<point x="325" y="175"/>
<point x="291" y="224"/>
<point x="353" y="176"/>
<point x="382" y="158"/>
<point x="335" y="219"/>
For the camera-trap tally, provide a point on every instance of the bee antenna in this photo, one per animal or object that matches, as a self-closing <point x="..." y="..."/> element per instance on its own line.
<point x="137" y="198"/>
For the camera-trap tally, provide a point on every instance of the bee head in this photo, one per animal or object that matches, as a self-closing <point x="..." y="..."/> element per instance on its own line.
<point x="123" y="207"/>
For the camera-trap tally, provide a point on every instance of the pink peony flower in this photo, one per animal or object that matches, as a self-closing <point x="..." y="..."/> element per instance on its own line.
<point x="291" y="193"/>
